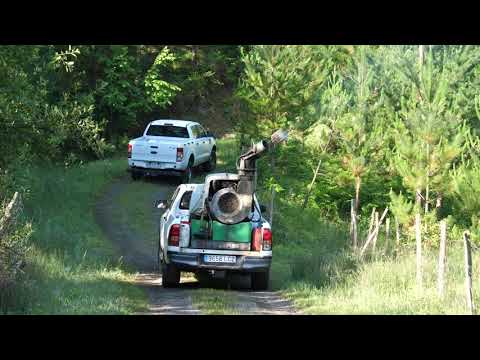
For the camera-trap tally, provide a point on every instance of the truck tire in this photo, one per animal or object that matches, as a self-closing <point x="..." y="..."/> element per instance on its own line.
<point x="170" y="276"/>
<point x="211" y="163"/>
<point x="260" y="280"/>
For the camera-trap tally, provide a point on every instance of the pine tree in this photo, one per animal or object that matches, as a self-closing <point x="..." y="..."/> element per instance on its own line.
<point x="279" y="83"/>
<point x="357" y="133"/>
<point x="429" y="135"/>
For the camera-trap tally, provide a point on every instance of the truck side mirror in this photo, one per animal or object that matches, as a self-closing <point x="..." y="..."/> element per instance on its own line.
<point x="161" y="204"/>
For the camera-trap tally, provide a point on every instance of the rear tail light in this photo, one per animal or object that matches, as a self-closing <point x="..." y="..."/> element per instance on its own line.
<point x="130" y="150"/>
<point x="267" y="239"/>
<point x="257" y="239"/>
<point x="174" y="235"/>
<point x="179" y="154"/>
<point x="261" y="239"/>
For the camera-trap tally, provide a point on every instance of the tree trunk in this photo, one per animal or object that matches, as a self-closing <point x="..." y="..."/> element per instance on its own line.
<point x="357" y="193"/>
<point x="272" y="198"/>
<point x="426" y="197"/>
<point x="9" y="214"/>
<point x="421" y="54"/>
<point x="397" y="234"/>
<point x="468" y="272"/>
<point x="194" y="56"/>
<point x="377" y="227"/>
<point x="427" y="189"/>
<point x="197" y="93"/>
<point x="441" y="258"/>
<point x="310" y="186"/>
<point x="418" y="199"/>
<point x="387" y="235"/>
<point x="372" y="219"/>
<point x="272" y="204"/>
<point x="438" y="203"/>
<point x="353" y="224"/>
<point x="418" y="237"/>
<point x="375" y="232"/>
<point x="355" y="210"/>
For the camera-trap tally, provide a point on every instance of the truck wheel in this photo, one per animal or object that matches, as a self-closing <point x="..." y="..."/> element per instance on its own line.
<point x="260" y="280"/>
<point x="211" y="163"/>
<point x="170" y="276"/>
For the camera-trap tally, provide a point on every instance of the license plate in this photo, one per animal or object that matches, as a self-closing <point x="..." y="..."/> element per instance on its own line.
<point x="220" y="259"/>
<point x="155" y="165"/>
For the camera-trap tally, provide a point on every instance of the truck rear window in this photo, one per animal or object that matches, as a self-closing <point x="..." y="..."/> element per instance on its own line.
<point x="185" y="202"/>
<point x="168" y="131"/>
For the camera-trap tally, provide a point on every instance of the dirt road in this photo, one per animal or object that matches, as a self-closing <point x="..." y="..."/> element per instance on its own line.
<point x="140" y="251"/>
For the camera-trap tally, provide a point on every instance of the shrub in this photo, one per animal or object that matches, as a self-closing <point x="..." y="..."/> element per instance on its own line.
<point x="13" y="249"/>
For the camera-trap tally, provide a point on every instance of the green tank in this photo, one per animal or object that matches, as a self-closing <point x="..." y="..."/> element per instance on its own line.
<point x="240" y="232"/>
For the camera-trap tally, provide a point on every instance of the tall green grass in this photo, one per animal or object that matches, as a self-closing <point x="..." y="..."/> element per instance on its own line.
<point x="388" y="286"/>
<point x="72" y="268"/>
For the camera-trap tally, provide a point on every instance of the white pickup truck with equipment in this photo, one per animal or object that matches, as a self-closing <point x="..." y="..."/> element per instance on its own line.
<point x="217" y="227"/>
<point x="171" y="147"/>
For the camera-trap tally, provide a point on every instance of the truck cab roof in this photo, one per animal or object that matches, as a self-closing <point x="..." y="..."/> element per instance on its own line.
<point x="179" y="123"/>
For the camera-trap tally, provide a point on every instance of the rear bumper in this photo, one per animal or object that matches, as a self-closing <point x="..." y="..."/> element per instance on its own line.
<point x="192" y="262"/>
<point x="155" y="172"/>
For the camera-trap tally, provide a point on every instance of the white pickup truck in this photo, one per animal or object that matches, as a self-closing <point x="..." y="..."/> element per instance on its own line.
<point x="171" y="147"/>
<point x="217" y="249"/>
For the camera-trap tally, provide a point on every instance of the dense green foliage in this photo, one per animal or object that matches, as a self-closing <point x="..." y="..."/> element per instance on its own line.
<point x="382" y="120"/>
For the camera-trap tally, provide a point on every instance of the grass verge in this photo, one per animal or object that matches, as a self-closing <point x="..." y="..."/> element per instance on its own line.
<point x="386" y="286"/>
<point x="72" y="268"/>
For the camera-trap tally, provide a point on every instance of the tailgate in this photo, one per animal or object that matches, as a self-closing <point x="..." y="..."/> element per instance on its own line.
<point x="156" y="149"/>
<point x="225" y="237"/>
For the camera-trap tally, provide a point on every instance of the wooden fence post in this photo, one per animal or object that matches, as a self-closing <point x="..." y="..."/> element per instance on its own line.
<point x="468" y="272"/>
<point x="370" y="227"/>
<point x="377" y="226"/>
<point x="374" y="233"/>
<point x="441" y="258"/>
<point x="397" y="235"/>
<point x="387" y="234"/>
<point x="353" y="226"/>
<point x="418" y="237"/>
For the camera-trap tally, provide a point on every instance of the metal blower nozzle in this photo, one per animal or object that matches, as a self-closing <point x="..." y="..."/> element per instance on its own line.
<point x="279" y="136"/>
